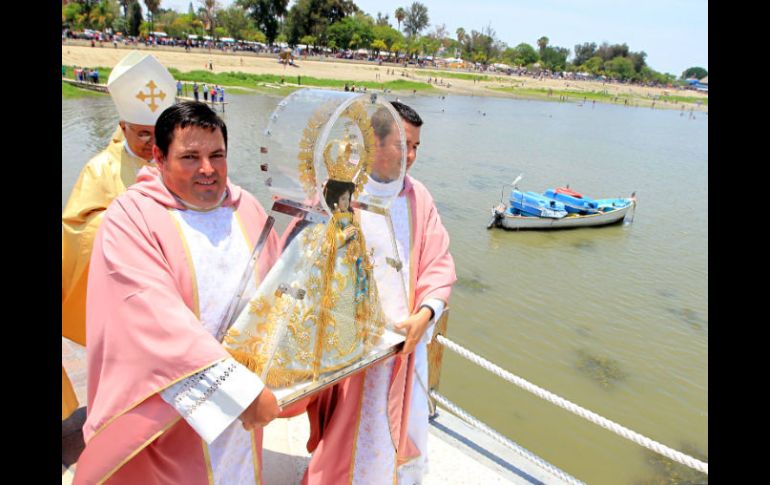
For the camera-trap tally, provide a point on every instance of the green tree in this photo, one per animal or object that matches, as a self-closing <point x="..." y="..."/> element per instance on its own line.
<point x="554" y="58"/>
<point x="72" y="15"/>
<point x="234" y="20"/>
<point x="209" y="10"/>
<point x="583" y="52"/>
<point x="694" y="72"/>
<point x="542" y="43"/>
<point x="180" y="26"/>
<point x="400" y="16"/>
<point x="388" y="35"/>
<point x="524" y="54"/>
<point x="460" y="32"/>
<point x="608" y="52"/>
<point x="308" y="40"/>
<point x="638" y="59"/>
<point x="152" y="9"/>
<point x="191" y="10"/>
<point x="266" y="14"/>
<point x="382" y="20"/>
<point x="254" y="35"/>
<point x="313" y="17"/>
<point x="120" y="25"/>
<point x="481" y="47"/>
<point x="134" y="17"/>
<point x="416" y="19"/>
<point x="594" y="65"/>
<point x="620" y="68"/>
<point x="378" y="45"/>
<point x="352" y="32"/>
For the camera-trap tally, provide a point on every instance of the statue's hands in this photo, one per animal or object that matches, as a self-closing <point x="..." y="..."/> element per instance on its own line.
<point x="261" y="411"/>
<point x="349" y="232"/>
<point x="415" y="326"/>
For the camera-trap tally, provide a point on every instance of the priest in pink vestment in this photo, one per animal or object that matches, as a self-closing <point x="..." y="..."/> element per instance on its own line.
<point x="372" y="427"/>
<point x="166" y="402"/>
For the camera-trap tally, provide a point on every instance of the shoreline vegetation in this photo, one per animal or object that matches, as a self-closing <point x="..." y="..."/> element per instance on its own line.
<point x="244" y="73"/>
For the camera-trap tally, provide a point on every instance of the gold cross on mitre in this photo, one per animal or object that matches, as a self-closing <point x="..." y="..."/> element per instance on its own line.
<point x="151" y="85"/>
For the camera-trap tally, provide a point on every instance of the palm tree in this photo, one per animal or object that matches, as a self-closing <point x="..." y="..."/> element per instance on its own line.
<point x="209" y="10"/>
<point x="400" y="16"/>
<point x="542" y="43"/>
<point x="152" y="7"/>
<point x="460" y="35"/>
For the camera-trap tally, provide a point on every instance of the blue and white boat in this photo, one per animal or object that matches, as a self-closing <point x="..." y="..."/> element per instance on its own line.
<point x="558" y="209"/>
<point x="574" y="203"/>
<point x="534" y="204"/>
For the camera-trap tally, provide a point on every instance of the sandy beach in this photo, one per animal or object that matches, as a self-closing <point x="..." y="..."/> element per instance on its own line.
<point x="75" y="53"/>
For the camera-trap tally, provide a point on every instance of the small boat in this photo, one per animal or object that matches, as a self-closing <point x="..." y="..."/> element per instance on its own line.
<point x="530" y="210"/>
<point x="534" y="204"/>
<point x="574" y="203"/>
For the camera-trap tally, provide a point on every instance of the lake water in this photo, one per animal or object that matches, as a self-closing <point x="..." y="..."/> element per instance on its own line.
<point x="614" y="319"/>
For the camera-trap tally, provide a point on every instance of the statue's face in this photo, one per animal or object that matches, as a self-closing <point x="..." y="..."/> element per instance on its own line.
<point x="344" y="202"/>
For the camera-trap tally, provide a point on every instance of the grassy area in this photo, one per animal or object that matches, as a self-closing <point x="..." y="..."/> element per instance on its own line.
<point x="254" y="80"/>
<point x="684" y="99"/>
<point x="556" y="93"/>
<point x="68" y="91"/>
<point x="601" y="96"/>
<point x="458" y="75"/>
<point x="257" y="81"/>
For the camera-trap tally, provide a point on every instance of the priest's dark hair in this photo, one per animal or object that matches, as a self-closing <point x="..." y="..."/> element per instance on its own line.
<point x="182" y="115"/>
<point x="407" y="113"/>
<point x="383" y="122"/>
<point x="334" y="189"/>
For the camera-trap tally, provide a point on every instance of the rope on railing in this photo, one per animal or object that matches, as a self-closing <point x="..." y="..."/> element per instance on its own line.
<point x="457" y="411"/>
<point x="574" y="408"/>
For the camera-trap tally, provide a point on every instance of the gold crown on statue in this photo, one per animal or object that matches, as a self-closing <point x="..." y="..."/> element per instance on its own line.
<point x="337" y="165"/>
<point x="341" y="167"/>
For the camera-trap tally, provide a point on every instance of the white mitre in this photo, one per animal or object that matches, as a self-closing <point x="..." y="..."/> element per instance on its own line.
<point x="141" y="88"/>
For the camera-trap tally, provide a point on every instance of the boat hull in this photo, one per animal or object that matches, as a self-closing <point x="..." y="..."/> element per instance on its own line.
<point x="509" y="221"/>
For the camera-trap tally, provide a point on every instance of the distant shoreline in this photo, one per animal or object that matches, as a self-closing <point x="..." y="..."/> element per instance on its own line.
<point x="333" y="73"/>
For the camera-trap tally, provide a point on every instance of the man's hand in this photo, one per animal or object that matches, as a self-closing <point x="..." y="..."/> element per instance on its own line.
<point x="261" y="411"/>
<point x="415" y="327"/>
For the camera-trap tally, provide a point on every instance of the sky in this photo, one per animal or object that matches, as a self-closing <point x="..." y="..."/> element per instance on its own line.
<point x="673" y="33"/>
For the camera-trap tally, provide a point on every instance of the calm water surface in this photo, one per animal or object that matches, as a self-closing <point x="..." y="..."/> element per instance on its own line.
<point x="614" y="319"/>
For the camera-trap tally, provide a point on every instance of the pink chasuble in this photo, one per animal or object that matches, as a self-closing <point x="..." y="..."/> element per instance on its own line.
<point x="335" y="413"/>
<point x="144" y="334"/>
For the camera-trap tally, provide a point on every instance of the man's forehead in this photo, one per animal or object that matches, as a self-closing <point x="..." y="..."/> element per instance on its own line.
<point x="197" y="135"/>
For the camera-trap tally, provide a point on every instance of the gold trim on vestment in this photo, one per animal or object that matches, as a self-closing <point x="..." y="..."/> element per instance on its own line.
<point x="412" y="266"/>
<point x="140" y="401"/>
<point x="190" y="265"/>
<point x="249" y="245"/>
<point x="358" y="426"/>
<point x="136" y="452"/>
<point x="207" y="458"/>
<point x="255" y="457"/>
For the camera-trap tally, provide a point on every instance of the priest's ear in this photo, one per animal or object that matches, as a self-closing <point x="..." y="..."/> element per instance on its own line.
<point x="160" y="159"/>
